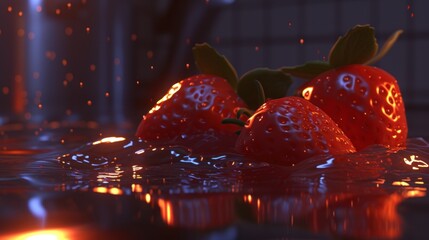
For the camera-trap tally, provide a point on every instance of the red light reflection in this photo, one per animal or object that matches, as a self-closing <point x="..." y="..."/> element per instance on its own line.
<point x="198" y="212"/>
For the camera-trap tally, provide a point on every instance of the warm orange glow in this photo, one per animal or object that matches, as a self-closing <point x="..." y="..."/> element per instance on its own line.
<point x="166" y="211"/>
<point x="147" y="198"/>
<point x="400" y="183"/>
<point x="43" y="235"/>
<point x="176" y="87"/>
<point x="390" y="100"/>
<point x="417" y="192"/>
<point x="19" y="152"/>
<point x="115" y="191"/>
<point x="306" y="93"/>
<point x="104" y="190"/>
<point x="248" y="198"/>
<point x="100" y="190"/>
<point x="415" y="163"/>
<point x="136" y="188"/>
<point x="109" y="140"/>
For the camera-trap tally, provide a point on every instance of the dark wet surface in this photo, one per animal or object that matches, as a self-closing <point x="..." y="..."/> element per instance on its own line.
<point x="86" y="186"/>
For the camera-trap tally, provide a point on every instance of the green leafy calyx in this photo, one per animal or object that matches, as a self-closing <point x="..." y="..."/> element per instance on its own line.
<point x="262" y="83"/>
<point x="209" y="61"/>
<point x="357" y="46"/>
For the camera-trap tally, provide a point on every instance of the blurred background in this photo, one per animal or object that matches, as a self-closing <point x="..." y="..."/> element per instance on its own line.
<point x="109" y="60"/>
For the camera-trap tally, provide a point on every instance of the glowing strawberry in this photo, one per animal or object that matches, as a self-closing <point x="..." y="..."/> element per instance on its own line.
<point x="364" y="101"/>
<point x="287" y="130"/>
<point x="192" y="106"/>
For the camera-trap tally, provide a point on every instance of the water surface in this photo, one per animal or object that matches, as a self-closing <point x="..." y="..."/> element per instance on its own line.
<point x="87" y="182"/>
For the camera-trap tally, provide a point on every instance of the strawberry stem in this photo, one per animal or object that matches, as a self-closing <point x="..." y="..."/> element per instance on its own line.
<point x="244" y="111"/>
<point x="235" y="121"/>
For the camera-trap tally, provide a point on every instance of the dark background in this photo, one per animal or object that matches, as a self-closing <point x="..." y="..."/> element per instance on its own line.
<point x="110" y="60"/>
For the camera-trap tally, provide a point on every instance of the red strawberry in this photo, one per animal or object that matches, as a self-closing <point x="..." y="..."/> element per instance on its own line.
<point x="192" y="106"/>
<point x="287" y="130"/>
<point x="364" y="101"/>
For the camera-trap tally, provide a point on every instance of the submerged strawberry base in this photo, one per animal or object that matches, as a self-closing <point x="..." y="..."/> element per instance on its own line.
<point x="125" y="187"/>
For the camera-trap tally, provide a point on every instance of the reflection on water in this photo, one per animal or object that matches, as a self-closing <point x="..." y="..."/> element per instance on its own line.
<point x="117" y="185"/>
<point x="42" y="235"/>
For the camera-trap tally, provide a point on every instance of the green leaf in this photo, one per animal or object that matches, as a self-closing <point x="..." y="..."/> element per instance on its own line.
<point x="358" y="46"/>
<point x="209" y="61"/>
<point x="308" y="70"/>
<point x="386" y="47"/>
<point x="274" y="84"/>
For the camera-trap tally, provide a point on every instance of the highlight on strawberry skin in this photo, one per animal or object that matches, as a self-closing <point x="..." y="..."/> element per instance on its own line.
<point x="192" y="106"/>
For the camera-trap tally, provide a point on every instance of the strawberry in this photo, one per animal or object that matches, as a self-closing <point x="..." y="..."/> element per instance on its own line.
<point x="364" y="101"/>
<point x="197" y="105"/>
<point x="192" y="106"/>
<point x="287" y="130"/>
